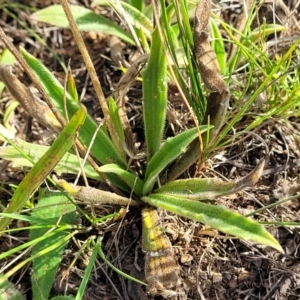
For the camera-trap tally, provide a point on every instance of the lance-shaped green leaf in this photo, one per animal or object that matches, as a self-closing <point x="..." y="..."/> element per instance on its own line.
<point x="216" y="217"/>
<point x="8" y="291"/>
<point x="115" y="117"/>
<point x="103" y="148"/>
<point x="210" y="188"/>
<point x="53" y="208"/>
<point x="71" y="87"/>
<point x="132" y="180"/>
<point x="25" y="154"/>
<point x="44" y="166"/>
<point x="135" y="17"/>
<point x="169" y="151"/>
<point x="155" y="94"/>
<point x="86" y="20"/>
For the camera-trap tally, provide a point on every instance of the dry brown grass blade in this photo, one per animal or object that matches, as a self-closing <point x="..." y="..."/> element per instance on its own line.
<point x="32" y="76"/>
<point x="93" y="75"/>
<point x="209" y="68"/>
<point x="251" y="179"/>
<point x="207" y="60"/>
<point x="120" y="93"/>
<point x="37" y="108"/>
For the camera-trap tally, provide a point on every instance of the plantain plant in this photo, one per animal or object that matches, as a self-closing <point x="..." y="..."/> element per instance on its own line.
<point x="108" y="152"/>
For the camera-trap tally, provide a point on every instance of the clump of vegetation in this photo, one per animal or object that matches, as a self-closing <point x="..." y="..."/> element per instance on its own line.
<point x="149" y="174"/>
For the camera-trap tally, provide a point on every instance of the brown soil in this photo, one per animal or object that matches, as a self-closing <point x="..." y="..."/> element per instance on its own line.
<point x="212" y="266"/>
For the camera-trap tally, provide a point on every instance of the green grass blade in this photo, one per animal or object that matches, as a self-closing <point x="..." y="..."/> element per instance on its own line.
<point x="103" y="148"/>
<point x="50" y="209"/>
<point x="25" y="218"/>
<point x="155" y="95"/>
<point x="98" y="246"/>
<point x="192" y="89"/>
<point x="261" y="32"/>
<point x="86" y="20"/>
<point x="44" y="166"/>
<point x="218" y="45"/>
<point x="42" y="224"/>
<point x="215" y="216"/>
<point x="87" y="274"/>
<point x="268" y="78"/>
<point x="170" y="150"/>
<point x="41" y="253"/>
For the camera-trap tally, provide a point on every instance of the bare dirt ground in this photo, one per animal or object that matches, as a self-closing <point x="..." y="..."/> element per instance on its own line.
<point x="212" y="266"/>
